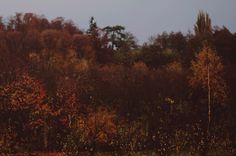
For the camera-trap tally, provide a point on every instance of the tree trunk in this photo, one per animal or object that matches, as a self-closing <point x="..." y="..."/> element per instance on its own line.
<point x="209" y="98"/>
<point x="45" y="136"/>
<point x="207" y="132"/>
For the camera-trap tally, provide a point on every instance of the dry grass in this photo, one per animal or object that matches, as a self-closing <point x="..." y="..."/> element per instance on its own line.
<point x="36" y="154"/>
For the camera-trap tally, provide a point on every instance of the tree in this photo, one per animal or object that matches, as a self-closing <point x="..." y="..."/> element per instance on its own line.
<point x="98" y="42"/>
<point x="49" y="38"/>
<point x="203" y="27"/>
<point x="67" y="101"/>
<point x="57" y="23"/>
<point x="23" y="93"/>
<point x="93" y="32"/>
<point x="32" y="41"/>
<point x="2" y="26"/>
<point x="24" y="98"/>
<point x="207" y="74"/>
<point x="93" y="28"/>
<point x="83" y="47"/>
<point x="70" y="27"/>
<point x="225" y="44"/>
<point x="115" y="35"/>
<point x="98" y="126"/>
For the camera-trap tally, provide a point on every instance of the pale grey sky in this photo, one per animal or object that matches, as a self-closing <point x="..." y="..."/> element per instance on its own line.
<point x="141" y="17"/>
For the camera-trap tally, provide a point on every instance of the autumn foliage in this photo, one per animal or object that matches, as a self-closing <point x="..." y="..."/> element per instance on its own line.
<point x="24" y="93"/>
<point x="79" y="92"/>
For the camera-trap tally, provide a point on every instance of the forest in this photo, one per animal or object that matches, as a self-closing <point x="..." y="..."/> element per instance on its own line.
<point x="98" y="92"/>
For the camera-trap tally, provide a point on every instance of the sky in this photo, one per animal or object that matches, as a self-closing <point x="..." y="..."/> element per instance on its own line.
<point x="143" y="18"/>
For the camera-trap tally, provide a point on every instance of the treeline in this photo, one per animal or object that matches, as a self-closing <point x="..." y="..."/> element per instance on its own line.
<point x="64" y="89"/>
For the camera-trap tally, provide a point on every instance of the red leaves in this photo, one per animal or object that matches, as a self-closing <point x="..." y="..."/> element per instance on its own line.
<point x="23" y="93"/>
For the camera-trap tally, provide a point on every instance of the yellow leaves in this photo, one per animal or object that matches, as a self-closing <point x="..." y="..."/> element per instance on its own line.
<point x="34" y="57"/>
<point x="102" y="137"/>
<point x="98" y="125"/>
<point x="174" y="67"/>
<point x="66" y="62"/>
<point x="170" y="100"/>
<point x="207" y="58"/>
<point x="82" y="65"/>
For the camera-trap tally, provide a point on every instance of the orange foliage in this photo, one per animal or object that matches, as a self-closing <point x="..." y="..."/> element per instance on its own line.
<point x="208" y="57"/>
<point x="69" y="105"/>
<point x="99" y="125"/>
<point x="24" y="93"/>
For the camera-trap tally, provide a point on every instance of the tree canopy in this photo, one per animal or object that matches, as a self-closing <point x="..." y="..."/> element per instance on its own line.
<point x="85" y="91"/>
